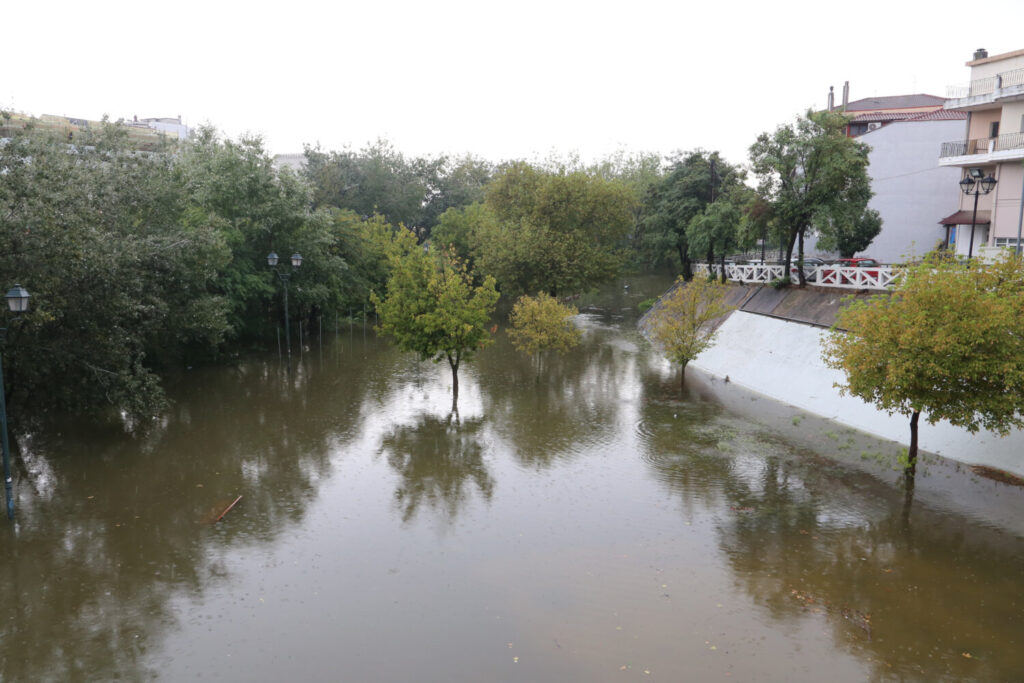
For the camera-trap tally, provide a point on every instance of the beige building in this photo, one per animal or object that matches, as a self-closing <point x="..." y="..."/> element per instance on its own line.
<point x="992" y="146"/>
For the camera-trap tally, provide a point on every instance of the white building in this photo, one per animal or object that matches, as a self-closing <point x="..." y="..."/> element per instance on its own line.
<point x="911" y="192"/>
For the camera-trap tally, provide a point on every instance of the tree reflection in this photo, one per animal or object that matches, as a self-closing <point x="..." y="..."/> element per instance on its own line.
<point x="437" y="461"/>
<point x="555" y="415"/>
<point x="918" y="593"/>
<point x="111" y="528"/>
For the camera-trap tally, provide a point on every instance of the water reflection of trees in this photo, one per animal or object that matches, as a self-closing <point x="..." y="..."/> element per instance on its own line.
<point x="572" y="403"/>
<point x="110" y="528"/>
<point x="437" y="460"/>
<point x="918" y="593"/>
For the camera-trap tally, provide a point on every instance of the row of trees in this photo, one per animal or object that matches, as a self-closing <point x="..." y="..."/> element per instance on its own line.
<point x="139" y="262"/>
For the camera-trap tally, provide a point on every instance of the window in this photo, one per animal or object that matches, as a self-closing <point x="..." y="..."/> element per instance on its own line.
<point x="1006" y="242"/>
<point x="993" y="129"/>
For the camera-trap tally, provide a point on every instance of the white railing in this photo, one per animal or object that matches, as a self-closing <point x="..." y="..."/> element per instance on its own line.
<point x="844" y="277"/>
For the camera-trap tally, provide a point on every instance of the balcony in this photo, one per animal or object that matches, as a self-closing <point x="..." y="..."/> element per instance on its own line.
<point x="1009" y="147"/>
<point x="1007" y="86"/>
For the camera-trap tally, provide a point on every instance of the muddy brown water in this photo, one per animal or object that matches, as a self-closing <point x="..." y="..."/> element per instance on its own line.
<point x="574" y="521"/>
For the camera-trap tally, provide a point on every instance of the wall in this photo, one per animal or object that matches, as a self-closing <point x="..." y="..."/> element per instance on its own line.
<point x="781" y="359"/>
<point x="912" y="193"/>
<point x="1008" y="194"/>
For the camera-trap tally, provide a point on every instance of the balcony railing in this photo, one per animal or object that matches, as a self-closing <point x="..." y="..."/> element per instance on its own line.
<point x="986" y="86"/>
<point x="959" y="148"/>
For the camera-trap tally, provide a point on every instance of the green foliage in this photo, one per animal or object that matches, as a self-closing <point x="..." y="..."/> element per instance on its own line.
<point x="433" y="309"/>
<point x="541" y="323"/>
<point x="552" y="231"/>
<point x="646" y="305"/>
<point x="948" y="343"/>
<point x="120" y="266"/>
<point x="680" y="325"/>
<point x="815" y="177"/>
<point x="679" y="198"/>
<point x="780" y="283"/>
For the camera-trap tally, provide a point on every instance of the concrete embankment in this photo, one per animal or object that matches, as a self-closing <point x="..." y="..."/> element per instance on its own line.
<point x="771" y="345"/>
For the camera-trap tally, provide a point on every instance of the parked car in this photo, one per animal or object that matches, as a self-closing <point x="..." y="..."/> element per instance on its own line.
<point x="811" y="265"/>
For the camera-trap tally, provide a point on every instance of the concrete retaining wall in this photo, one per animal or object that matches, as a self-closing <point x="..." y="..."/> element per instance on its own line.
<point x="780" y="358"/>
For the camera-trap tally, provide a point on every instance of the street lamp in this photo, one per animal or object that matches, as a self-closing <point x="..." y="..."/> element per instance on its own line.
<point x="272" y="260"/>
<point x="974" y="184"/>
<point x="17" y="301"/>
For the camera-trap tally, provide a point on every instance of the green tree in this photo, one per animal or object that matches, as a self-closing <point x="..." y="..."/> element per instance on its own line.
<point x="694" y="181"/>
<point x="553" y="231"/>
<point x="542" y="323"/>
<point x="815" y="177"/>
<point x="121" y="267"/>
<point x="433" y="309"/>
<point x="680" y="322"/>
<point x="949" y="342"/>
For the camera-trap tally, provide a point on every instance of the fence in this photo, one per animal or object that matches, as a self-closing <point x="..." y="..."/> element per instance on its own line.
<point x="843" y="277"/>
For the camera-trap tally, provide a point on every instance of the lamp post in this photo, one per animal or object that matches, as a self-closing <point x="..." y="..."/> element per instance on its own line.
<point x="17" y="301"/>
<point x="272" y="260"/>
<point x="974" y="184"/>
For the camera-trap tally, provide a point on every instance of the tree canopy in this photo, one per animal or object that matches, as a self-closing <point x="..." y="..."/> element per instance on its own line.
<point x="541" y="323"/>
<point x="680" y="321"/>
<point x="815" y="177"/>
<point x="433" y="309"/>
<point x="948" y="343"/>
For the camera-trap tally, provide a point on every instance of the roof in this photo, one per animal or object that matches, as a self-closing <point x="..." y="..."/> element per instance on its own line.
<point x="895" y="102"/>
<point x="964" y="218"/>
<point x="883" y="116"/>
<point x="940" y="115"/>
<point x="995" y="58"/>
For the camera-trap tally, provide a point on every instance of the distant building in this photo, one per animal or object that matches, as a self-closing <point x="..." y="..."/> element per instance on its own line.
<point x="167" y="125"/>
<point x="991" y="143"/>
<point x="910" y="190"/>
<point x="296" y="162"/>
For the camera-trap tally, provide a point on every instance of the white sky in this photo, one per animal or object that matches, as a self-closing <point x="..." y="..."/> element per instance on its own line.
<point x="500" y="80"/>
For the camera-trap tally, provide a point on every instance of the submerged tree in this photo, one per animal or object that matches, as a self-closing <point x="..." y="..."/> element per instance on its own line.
<point x="433" y="308"/>
<point x="542" y="323"/>
<point x="949" y="343"/>
<point x="680" y="323"/>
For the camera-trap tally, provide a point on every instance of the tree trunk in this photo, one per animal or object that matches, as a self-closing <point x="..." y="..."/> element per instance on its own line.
<point x="911" y="469"/>
<point x="800" y="260"/>
<point x="454" y="363"/>
<point x="722" y="259"/>
<point x="682" y="377"/>
<point x="684" y="261"/>
<point x="789" y="255"/>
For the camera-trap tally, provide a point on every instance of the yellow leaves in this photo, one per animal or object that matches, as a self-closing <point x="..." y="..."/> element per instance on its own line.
<point x="680" y="321"/>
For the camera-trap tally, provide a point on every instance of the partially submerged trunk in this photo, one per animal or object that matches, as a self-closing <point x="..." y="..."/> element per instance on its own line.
<point x="453" y="361"/>
<point x="911" y="468"/>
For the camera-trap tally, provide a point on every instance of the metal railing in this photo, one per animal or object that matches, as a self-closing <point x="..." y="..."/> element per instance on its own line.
<point x="986" y="86"/>
<point x="959" y="148"/>
<point x="843" y="277"/>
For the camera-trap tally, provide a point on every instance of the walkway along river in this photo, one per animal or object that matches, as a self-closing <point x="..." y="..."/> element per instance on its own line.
<point x="580" y="523"/>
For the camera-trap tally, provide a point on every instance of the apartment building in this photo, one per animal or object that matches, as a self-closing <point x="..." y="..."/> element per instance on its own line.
<point x="991" y="148"/>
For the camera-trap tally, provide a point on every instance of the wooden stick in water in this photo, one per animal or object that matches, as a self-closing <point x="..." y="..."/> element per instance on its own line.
<point x="228" y="508"/>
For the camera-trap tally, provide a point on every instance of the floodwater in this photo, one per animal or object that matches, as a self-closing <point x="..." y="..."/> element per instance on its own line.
<point x="580" y="520"/>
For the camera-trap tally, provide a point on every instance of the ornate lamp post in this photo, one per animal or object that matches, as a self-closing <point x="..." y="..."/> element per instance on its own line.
<point x="17" y="301"/>
<point x="284" y="276"/>
<point x="974" y="184"/>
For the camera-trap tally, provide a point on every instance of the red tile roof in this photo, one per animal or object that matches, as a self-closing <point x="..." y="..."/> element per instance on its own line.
<point x="940" y="115"/>
<point x="964" y="218"/>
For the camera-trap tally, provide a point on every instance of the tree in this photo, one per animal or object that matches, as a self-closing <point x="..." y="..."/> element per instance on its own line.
<point x="557" y="231"/>
<point x="949" y="342"/>
<point x="121" y="268"/>
<point x="541" y="323"/>
<point x="680" y="321"/>
<point x="814" y="176"/>
<point x="718" y="229"/>
<point x="433" y="309"/>
<point x="694" y="180"/>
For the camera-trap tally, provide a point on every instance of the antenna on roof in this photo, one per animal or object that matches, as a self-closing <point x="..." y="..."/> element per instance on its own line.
<point x="846" y="94"/>
<point x="831" y="98"/>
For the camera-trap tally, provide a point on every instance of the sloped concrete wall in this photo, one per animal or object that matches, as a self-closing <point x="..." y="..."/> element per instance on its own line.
<point x="781" y="359"/>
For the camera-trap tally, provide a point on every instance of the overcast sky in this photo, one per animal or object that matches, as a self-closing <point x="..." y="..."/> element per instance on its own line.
<point x="500" y="80"/>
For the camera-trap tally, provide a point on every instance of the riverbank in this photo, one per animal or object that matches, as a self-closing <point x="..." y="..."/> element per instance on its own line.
<point x="771" y="345"/>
